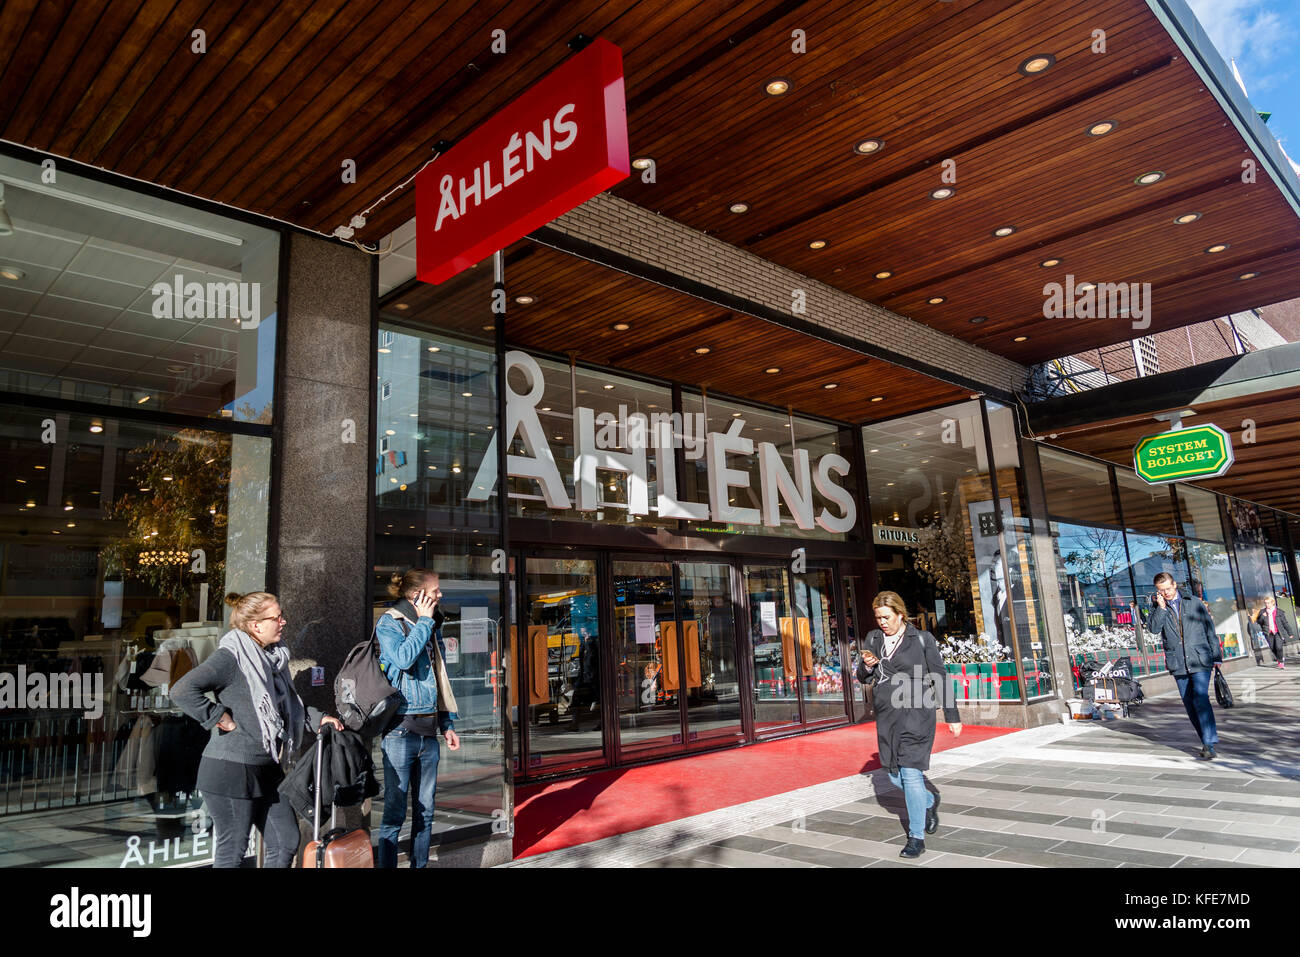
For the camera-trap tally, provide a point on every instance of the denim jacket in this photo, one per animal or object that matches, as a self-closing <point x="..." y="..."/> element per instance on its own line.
<point x="407" y="664"/>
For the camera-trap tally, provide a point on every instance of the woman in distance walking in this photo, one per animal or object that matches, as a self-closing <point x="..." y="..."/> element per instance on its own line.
<point x="905" y="667"/>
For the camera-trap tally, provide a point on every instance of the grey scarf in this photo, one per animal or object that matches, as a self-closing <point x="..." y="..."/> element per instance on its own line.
<point x="280" y="712"/>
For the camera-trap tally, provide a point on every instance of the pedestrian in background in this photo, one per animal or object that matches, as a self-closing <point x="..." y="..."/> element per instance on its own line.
<point x="1191" y="653"/>
<point x="1277" y="630"/>
<point x="257" y="725"/>
<point x="906" y="669"/>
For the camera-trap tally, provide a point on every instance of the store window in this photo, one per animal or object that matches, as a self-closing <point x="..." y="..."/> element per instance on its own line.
<point x="936" y="532"/>
<point x="438" y="423"/>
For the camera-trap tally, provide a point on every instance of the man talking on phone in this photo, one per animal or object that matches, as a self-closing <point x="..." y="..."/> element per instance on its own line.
<point x="1191" y="653"/>
<point x="412" y="658"/>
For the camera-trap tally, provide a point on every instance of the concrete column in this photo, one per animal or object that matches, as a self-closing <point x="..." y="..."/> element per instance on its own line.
<point x="324" y="456"/>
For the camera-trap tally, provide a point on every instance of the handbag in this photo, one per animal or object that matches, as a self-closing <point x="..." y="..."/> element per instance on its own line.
<point x="1222" y="693"/>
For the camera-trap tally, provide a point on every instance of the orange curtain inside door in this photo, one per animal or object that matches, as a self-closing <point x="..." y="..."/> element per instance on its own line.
<point x="538" y="686"/>
<point x="668" y="648"/>
<point x="691" y="635"/>
<point x="787" y="646"/>
<point x="805" y="646"/>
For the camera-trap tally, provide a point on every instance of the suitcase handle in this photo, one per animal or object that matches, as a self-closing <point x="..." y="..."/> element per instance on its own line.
<point x="315" y="824"/>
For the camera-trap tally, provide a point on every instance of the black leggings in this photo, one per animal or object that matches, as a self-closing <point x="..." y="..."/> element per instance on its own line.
<point x="233" y="817"/>
<point x="1276" y="646"/>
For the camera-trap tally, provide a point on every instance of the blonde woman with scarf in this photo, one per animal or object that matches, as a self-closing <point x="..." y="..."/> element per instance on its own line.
<point x="257" y="724"/>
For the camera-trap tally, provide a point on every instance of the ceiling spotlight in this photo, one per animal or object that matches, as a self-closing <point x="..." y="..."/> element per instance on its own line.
<point x="1186" y="218"/>
<point x="943" y="192"/>
<point x="867" y="147"/>
<point x="884" y="274"/>
<point x="96" y="427"/>
<point x="642" y="162"/>
<point x="1217" y="248"/>
<point x="739" y="207"/>
<point x="620" y="327"/>
<point x="976" y="320"/>
<point x="456" y="469"/>
<point x="468" y="395"/>
<point x="1248" y="275"/>
<point x="877" y="398"/>
<point x="817" y="244"/>
<point x="1020" y="339"/>
<point x="11" y="272"/>
<point x="1004" y="231"/>
<point x="525" y="300"/>
<point x="385" y="351"/>
<point x="1146" y="179"/>
<point x="1085" y="287"/>
<point x="435" y="349"/>
<point x="1039" y="63"/>
<point x="608" y="386"/>
<point x="143" y="399"/>
<point x="702" y="350"/>
<point x="831" y="385"/>
<point x="389" y="432"/>
<point x="772" y="370"/>
<point x="402" y="306"/>
<point x="1102" y="128"/>
<point x="777" y="86"/>
<point x="936" y="300"/>
<point x="1049" y="263"/>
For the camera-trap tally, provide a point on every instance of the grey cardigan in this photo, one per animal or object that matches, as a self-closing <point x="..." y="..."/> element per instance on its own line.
<point x="221" y="675"/>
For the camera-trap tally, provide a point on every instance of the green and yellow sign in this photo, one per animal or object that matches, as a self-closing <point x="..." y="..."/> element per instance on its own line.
<point x="1202" y="452"/>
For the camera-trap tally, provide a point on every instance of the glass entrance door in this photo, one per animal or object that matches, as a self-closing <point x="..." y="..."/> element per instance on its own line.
<point x="706" y="620"/>
<point x="821" y="683"/>
<point x="647" y="654"/>
<point x="560" y="678"/>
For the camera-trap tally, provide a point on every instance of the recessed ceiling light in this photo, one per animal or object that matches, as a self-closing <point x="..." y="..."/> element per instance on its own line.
<point x="1036" y="64"/>
<point x="1146" y="179"/>
<point x="435" y="349"/>
<point x="545" y="408"/>
<point x="143" y="399"/>
<point x="1085" y="286"/>
<point x="976" y="320"/>
<point x="620" y="327"/>
<point x="936" y="300"/>
<point x="831" y="385"/>
<point x="1020" y="339"/>
<point x="1102" y="128"/>
<point x="389" y="432"/>
<point x="943" y="192"/>
<point x="414" y="415"/>
<point x="608" y="386"/>
<point x="489" y="327"/>
<point x="1004" y="231"/>
<point x="777" y="86"/>
<point x="525" y="300"/>
<point x="772" y="370"/>
<point x="867" y="147"/>
<point x="1217" y="248"/>
<point x="873" y="450"/>
<point x="558" y="437"/>
<point x="884" y="274"/>
<point x="167" y="478"/>
<point x="402" y="306"/>
<point x="739" y="207"/>
<point x="735" y="415"/>
<point x="385" y="351"/>
<point x="67" y="508"/>
<point x="642" y="162"/>
<point x="877" y="398"/>
<point x="1049" y="263"/>
<point x="456" y="469"/>
<point x="1186" y="218"/>
<point x="468" y="395"/>
<point x="817" y="244"/>
<point x="96" y="427"/>
<point x="1248" y="275"/>
<point x="176" y="368"/>
<point x="702" y="350"/>
<point x="12" y="272"/>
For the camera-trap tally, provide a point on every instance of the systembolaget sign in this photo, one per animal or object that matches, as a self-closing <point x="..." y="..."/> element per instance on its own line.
<point x="555" y="146"/>
<point x="641" y="439"/>
<point x="1201" y="452"/>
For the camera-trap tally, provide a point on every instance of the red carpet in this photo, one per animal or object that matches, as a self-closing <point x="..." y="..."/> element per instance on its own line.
<point x="581" y="810"/>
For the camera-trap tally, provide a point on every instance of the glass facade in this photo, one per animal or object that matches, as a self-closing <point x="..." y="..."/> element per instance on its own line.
<point x="136" y="403"/>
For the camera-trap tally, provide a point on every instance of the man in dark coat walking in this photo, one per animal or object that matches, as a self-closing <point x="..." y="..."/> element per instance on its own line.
<point x="1276" y="629"/>
<point x="1191" y="652"/>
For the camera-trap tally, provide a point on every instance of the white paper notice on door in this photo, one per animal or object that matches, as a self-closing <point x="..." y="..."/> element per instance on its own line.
<point x="767" y="616"/>
<point x="644" y="616"/>
<point x="474" y="629"/>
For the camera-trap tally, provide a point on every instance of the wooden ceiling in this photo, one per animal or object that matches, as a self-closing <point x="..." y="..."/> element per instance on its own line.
<point x="285" y="93"/>
<point x="1264" y="472"/>
<point x="577" y="303"/>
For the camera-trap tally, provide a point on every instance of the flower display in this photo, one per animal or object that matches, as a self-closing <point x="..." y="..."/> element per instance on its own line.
<point x="965" y="651"/>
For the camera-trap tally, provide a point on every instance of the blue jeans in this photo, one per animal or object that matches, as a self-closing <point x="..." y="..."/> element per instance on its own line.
<point x="410" y="767"/>
<point x="1195" y="692"/>
<point x="918" y="798"/>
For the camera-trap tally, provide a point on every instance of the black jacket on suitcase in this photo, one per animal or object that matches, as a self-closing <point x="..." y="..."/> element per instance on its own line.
<point x="347" y="772"/>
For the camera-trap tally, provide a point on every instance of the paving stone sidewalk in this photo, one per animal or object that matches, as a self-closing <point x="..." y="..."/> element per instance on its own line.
<point x="1126" y="792"/>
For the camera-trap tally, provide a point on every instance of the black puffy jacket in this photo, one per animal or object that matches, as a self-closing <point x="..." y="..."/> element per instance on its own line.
<point x="347" y="771"/>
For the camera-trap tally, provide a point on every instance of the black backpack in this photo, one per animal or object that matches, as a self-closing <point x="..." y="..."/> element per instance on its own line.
<point x="366" y="702"/>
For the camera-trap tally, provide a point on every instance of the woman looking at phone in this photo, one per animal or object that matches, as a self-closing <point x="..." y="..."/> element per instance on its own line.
<point x="411" y="656"/>
<point x="898" y="659"/>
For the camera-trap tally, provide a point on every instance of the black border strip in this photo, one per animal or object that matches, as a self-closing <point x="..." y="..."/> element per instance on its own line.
<point x="137" y="414"/>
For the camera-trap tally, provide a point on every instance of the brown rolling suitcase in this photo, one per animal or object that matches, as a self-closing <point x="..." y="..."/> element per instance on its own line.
<point x="337" y="847"/>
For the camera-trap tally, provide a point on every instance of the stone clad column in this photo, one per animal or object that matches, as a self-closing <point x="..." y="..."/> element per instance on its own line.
<point x="323" y="459"/>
